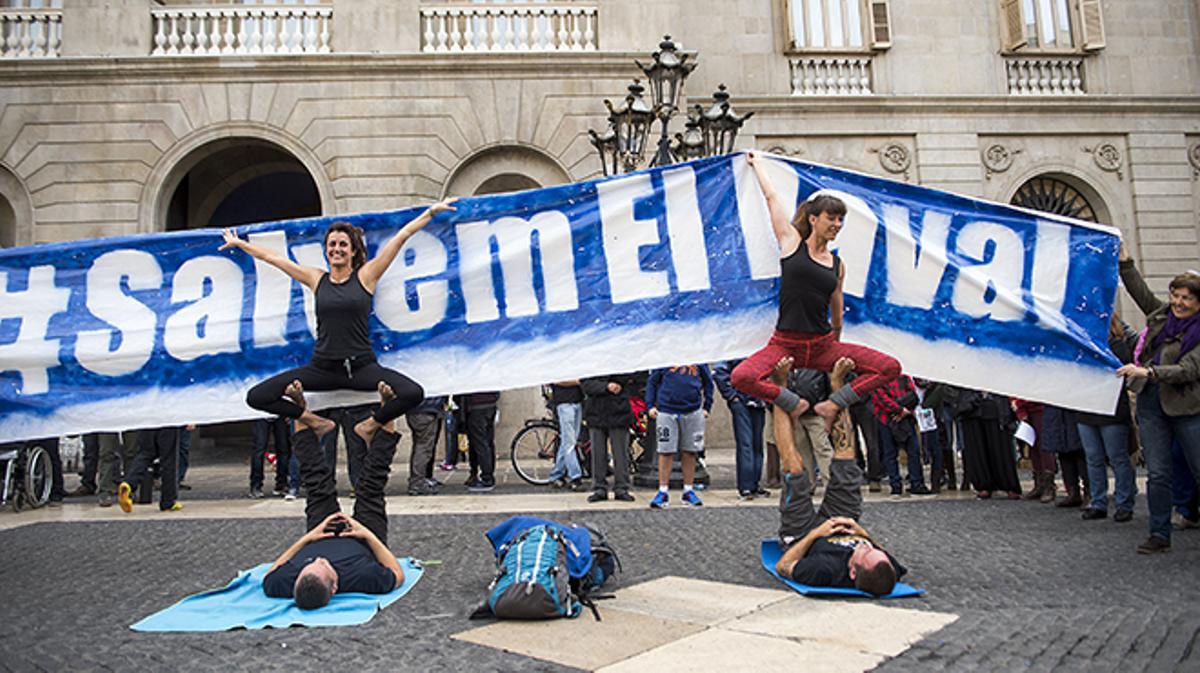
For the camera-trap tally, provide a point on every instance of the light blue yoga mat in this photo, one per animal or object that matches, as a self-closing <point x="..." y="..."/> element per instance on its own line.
<point x="771" y="553"/>
<point x="243" y="605"/>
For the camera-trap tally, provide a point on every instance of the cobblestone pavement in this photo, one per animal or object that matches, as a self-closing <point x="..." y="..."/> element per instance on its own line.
<point x="1036" y="588"/>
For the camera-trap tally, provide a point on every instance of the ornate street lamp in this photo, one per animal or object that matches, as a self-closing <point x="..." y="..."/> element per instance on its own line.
<point x="720" y="124"/>
<point x="622" y="146"/>
<point x="689" y="144"/>
<point x="606" y="145"/>
<point x="666" y="76"/>
<point x="630" y="124"/>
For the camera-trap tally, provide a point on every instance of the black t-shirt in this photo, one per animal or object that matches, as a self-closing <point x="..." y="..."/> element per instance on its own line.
<point x="828" y="559"/>
<point x="357" y="569"/>
<point x="565" y="394"/>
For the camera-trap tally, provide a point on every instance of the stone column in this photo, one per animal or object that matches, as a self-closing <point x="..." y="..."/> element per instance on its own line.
<point x="111" y="28"/>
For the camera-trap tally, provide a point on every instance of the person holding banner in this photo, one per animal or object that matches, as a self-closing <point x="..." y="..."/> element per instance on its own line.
<point x="343" y="358"/>
<point x="810" y="310"/>
<point x="1165" y="374"/>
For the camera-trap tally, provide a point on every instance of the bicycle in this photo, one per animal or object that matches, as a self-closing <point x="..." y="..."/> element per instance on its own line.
<point x="535" y="446"/>
<point x="27" y="477"/>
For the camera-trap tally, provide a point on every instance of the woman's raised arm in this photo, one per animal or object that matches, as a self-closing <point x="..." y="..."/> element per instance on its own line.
<point x="373" y="270"/>
<point x="306" y="275"/>
<point x="781" y="218"/>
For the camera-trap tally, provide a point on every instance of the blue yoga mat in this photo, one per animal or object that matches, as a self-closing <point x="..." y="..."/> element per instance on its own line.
<point x="243" y="605"/>
<point x="771" y="553"/>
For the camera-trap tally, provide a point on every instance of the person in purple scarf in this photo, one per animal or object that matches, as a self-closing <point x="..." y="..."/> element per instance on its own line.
<point x="1165" y="374"/>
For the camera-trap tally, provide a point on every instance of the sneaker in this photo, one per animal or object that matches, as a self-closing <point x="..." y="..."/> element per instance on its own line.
<point x="105" y="500"/>
<point x="699" y="487"/>
<point x="1154" y="545"/>
<point x="175" y="507"/>
<point x="481" y="486"/>
<point x="690" y="498"/>
<point x="125" y="497"/>
<point x="598" y="496"/>
<point x="920" y="490"/>
<point x="624" y="496"/>
<point x="278" y="492"/>
<point x="1122" y="516"/>
<point x="421" y="488"/>
<point x="255" y="494"/>
<point x="559" y="483"/>
<point x="897" y="493"/>
<point x="577" y="485"/>
<point x="745" y="495"/>
<point x="983" y="495"/>
<point x="1091" y="514"/>
<point x="661" y="500"/>
<point x="184" y="487"/>
<point x="447" y="467"/>
<point x="289" y="496"/>
<point x="1181" y="522"/>
<point x="81" y="491"/>
<point x="762" y="493"/>
<point x="874" y="487"/>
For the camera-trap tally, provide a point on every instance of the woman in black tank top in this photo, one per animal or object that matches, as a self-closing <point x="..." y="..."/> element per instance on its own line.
<point x="808" y="332"/>
<point x="343" y="358"/>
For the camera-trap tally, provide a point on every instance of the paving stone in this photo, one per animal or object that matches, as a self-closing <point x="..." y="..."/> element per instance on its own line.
<point x="1024" y="579"/>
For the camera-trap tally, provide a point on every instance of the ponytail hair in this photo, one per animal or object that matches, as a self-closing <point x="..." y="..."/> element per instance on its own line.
<point x="358" y="245"/>
<point x="815" y="205"/>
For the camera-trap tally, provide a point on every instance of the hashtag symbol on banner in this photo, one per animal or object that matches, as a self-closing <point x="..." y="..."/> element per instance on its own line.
<point x="32" y="353"/>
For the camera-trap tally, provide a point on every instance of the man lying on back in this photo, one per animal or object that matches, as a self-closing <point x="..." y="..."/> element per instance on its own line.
<point x="828" y="547"/>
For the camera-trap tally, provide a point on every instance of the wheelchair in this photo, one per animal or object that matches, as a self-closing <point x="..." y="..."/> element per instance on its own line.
<point x="27" y="476"/>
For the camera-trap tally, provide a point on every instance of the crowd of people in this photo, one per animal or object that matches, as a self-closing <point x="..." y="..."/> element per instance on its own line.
<point x="807" y="409"/>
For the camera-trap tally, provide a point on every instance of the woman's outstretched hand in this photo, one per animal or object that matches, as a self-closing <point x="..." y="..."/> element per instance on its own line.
<point x="231" y="239"/>
<point x="442" y="206"/>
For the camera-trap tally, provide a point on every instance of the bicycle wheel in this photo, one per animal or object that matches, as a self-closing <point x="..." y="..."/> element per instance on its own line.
<point x="37" y="477"/>
<point x="533" y="450"/>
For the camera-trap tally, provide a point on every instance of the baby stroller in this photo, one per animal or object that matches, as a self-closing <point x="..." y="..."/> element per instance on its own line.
<point x="27" y="476"/>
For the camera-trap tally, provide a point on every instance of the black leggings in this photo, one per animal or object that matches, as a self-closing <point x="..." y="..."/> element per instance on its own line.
<point x="321" y="375"/>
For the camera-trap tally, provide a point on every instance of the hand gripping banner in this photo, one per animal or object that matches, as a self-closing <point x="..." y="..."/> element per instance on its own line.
<point x="664" y="266"/>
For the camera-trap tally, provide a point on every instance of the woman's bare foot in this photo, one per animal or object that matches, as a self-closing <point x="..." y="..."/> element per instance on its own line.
<point x="295" y="392"/>
<point x="308" y="420"/>
<point x="779" y="376"/>
<point x="367" y="428"/>
<point x="841" y="368"/>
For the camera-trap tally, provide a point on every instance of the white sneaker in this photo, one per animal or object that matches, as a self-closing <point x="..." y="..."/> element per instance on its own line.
<point x="289" y="496"/>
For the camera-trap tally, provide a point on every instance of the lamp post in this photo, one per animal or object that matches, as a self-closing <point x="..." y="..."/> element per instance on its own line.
<point x="708" y="132"/>
<point x="622" y="147"/>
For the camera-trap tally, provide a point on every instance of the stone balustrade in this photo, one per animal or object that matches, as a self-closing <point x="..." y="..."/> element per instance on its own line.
<point x="1045" y="75"/>
<point x="506" y="28"/>
<point x="244" y="29"/>
<point x="30" y="33"/>
<point x="831" y="76"/>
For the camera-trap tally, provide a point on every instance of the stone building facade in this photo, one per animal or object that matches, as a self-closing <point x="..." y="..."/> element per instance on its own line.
<point x="128" y="116"/>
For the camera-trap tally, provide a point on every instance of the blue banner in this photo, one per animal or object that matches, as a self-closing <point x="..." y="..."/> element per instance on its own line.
<point x="665" y="266"/>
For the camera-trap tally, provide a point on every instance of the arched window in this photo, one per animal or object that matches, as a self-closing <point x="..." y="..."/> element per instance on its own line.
<point x="1053" y="195"/>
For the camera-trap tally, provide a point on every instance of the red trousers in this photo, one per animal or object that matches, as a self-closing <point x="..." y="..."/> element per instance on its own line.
<point x="812" y="351"/>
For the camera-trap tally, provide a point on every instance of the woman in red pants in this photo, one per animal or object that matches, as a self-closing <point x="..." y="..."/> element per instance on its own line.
<point x="810" y="310"/>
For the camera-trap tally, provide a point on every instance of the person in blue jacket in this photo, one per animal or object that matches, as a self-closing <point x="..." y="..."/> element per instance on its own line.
<point x="679" y="399"/>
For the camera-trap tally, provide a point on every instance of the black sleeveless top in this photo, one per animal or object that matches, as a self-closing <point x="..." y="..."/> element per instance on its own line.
<point x="343" y="330"/>
<point x="804" y="291"/>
